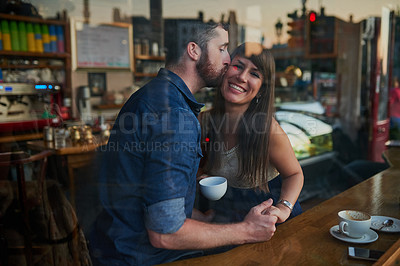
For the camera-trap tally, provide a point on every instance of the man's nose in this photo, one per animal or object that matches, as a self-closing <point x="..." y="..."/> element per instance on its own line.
<point x="227" y="59"/>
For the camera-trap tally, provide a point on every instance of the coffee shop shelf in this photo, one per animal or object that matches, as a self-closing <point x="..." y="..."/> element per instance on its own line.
<point x="34" y="54"/>
<point x="146" y="58"/>
<point x="150" y="57"/>
<point x="64" y="56"/>
<point x="32" y="19"/>
<point x="30" y="66"/>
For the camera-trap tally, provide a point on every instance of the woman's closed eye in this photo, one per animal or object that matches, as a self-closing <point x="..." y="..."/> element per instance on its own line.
<point x="256" y="74"/>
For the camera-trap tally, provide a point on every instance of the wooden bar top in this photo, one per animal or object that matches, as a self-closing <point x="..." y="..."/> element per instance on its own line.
<point x="306" y="240"/>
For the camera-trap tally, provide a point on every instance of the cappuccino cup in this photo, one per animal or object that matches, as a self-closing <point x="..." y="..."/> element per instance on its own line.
<point x="354" y="224"/>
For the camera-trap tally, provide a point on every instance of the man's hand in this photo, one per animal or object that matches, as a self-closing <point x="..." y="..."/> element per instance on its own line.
<point x="261" y="224"/>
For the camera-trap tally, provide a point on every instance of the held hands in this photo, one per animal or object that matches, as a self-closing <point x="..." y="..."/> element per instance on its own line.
<point x="260" y="222"/>
<point x="280" y="211"/>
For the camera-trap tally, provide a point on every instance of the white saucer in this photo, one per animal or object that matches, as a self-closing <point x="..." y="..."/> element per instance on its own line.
<point x="376" y="223"/>
<point x="369" y="237"/>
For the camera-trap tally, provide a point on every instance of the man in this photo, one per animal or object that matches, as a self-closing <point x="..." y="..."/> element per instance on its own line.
<point x="150" y="163"/>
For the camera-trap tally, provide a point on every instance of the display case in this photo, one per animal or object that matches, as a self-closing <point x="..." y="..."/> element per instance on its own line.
<point x="308" y="135"/>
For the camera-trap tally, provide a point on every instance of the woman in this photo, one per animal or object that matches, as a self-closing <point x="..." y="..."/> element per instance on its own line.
<point x="244" y="143"/>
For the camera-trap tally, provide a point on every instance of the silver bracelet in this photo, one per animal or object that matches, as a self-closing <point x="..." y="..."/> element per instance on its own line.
<point x="286" y="203"/>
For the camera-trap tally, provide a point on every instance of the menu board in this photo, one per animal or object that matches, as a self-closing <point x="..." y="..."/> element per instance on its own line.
<point x="103" y="46"/>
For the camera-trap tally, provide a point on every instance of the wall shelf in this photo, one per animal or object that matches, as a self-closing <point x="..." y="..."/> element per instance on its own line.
<point x="150" y="57"/>
<point x="44" y="58"/>
<point x="30" y="66"/>
<point x="144" y="65"/>
<point x="32" y="19"/>
<point x="32" y="54"/>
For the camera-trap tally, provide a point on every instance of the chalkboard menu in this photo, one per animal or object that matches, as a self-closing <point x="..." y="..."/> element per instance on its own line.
<point x="103" y="46"/>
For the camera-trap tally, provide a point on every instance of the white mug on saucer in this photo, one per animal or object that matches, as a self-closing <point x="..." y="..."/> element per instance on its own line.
<point x="354" y="224"/>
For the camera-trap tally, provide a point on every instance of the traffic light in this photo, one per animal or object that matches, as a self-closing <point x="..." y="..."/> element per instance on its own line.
<point x="312" y="16"/>
<point x="296" y="33"/>
<point x="320" y="34"/>
<point x="293" y="15"/>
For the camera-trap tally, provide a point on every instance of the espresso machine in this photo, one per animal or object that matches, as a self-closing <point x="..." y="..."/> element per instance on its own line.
<point x="26" y="106"/>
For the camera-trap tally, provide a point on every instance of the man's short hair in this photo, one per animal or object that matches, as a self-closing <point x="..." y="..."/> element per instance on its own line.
<point x="199" y="32"/>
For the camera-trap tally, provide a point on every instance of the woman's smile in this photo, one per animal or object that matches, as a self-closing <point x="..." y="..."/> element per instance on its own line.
<point x="236" y="88"/>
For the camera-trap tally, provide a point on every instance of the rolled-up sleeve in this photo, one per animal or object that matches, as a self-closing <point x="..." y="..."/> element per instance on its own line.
<point x="165" y="217"/>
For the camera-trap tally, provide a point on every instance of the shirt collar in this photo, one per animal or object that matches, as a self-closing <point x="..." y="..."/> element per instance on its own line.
<point x="178" y="82"/>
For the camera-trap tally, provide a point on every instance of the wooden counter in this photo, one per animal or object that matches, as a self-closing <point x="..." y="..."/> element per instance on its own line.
<point x="305" y="240"/>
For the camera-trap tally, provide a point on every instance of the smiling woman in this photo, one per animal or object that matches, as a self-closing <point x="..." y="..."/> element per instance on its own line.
<point x="259" y="161"/>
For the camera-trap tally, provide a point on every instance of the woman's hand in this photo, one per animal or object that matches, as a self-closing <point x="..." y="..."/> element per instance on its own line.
<point x="201" y="177"/>
<point x="280" y="211"/>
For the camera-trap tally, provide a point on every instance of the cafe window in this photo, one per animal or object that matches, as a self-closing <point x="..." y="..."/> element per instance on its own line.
<point x="334" y="69"/>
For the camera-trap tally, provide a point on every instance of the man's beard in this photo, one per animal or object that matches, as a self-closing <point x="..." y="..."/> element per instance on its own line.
<point x="211" y="76"/>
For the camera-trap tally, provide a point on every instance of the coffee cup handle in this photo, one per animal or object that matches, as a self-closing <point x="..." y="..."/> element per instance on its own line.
<point x="342" y="226"/>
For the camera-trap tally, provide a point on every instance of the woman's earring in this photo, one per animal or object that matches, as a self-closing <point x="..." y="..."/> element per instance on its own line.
<point x="257" y="99"/>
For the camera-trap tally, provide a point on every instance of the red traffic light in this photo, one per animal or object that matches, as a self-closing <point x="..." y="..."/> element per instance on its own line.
<point x="312" y="16"/>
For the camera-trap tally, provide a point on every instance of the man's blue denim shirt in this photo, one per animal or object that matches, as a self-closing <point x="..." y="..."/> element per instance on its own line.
<point x="148" y="173"/>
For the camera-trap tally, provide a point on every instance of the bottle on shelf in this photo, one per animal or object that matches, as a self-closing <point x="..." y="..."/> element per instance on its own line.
<point x="45" y="38"/>
<point x="53" y="39"/>
<point x="23" y="45"/>
<point x="30" y="35"/>
<point x="1" y="39"/>
<point x="38" y="38"/>
<point x="60" y="39"/>
<point x="14" y="36"/>
<point x="6" y="35"/>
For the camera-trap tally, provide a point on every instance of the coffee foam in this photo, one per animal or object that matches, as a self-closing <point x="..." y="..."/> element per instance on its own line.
<point x="356" y="216"/>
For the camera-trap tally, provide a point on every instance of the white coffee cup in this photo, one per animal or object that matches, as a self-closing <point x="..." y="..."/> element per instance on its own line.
<point x="354" y="224"/>
<point x="213" y="187"/>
